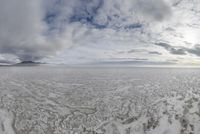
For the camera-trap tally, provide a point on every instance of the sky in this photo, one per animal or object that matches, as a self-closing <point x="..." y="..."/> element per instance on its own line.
<point x="138" y="32"/>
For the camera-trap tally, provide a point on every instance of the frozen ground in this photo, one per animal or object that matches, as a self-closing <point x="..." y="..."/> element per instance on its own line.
<point x="60" y="100"/>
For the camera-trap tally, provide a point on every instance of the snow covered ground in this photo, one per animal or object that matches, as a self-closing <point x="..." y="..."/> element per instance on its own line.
<point x="61" y="100"/>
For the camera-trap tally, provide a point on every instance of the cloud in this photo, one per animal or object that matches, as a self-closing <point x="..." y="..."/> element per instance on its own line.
<point x="179" y="50"/>
<point x="135" y="51"/>
<point x="195" y="50"/>
<point x="22" y="30"/>
<point x="154" y="9"/>
<point x="35" y="29"/>
<point x="119" y="13"/>
<point x="155" y="53"/>
<point x="173" y="50"/>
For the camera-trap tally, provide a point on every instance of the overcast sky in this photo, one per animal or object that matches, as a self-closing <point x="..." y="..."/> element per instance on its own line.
<point x="101" y="31"/>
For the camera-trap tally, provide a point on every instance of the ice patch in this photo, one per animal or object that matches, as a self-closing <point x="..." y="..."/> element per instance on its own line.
<point x="6" y="120"/>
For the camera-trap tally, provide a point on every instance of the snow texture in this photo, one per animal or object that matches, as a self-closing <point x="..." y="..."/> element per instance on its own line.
<point x="60" y="100"/>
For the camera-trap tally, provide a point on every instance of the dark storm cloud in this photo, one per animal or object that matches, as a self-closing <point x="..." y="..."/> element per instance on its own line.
<point x="154" y="53"/>
<point x="195" y="50"/>
<point x="179" y="50"/>
<point x="132" y="51"/>
<point x="136" y="51"/>
<point x="173" y="50"/>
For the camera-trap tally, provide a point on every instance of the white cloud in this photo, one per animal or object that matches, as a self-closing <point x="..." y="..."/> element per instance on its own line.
<point x="33" y="30"/>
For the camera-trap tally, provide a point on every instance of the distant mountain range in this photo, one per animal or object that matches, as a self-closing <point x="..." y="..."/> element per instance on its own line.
<point x="28" y="63"/>
<point x="23" y="63"/>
